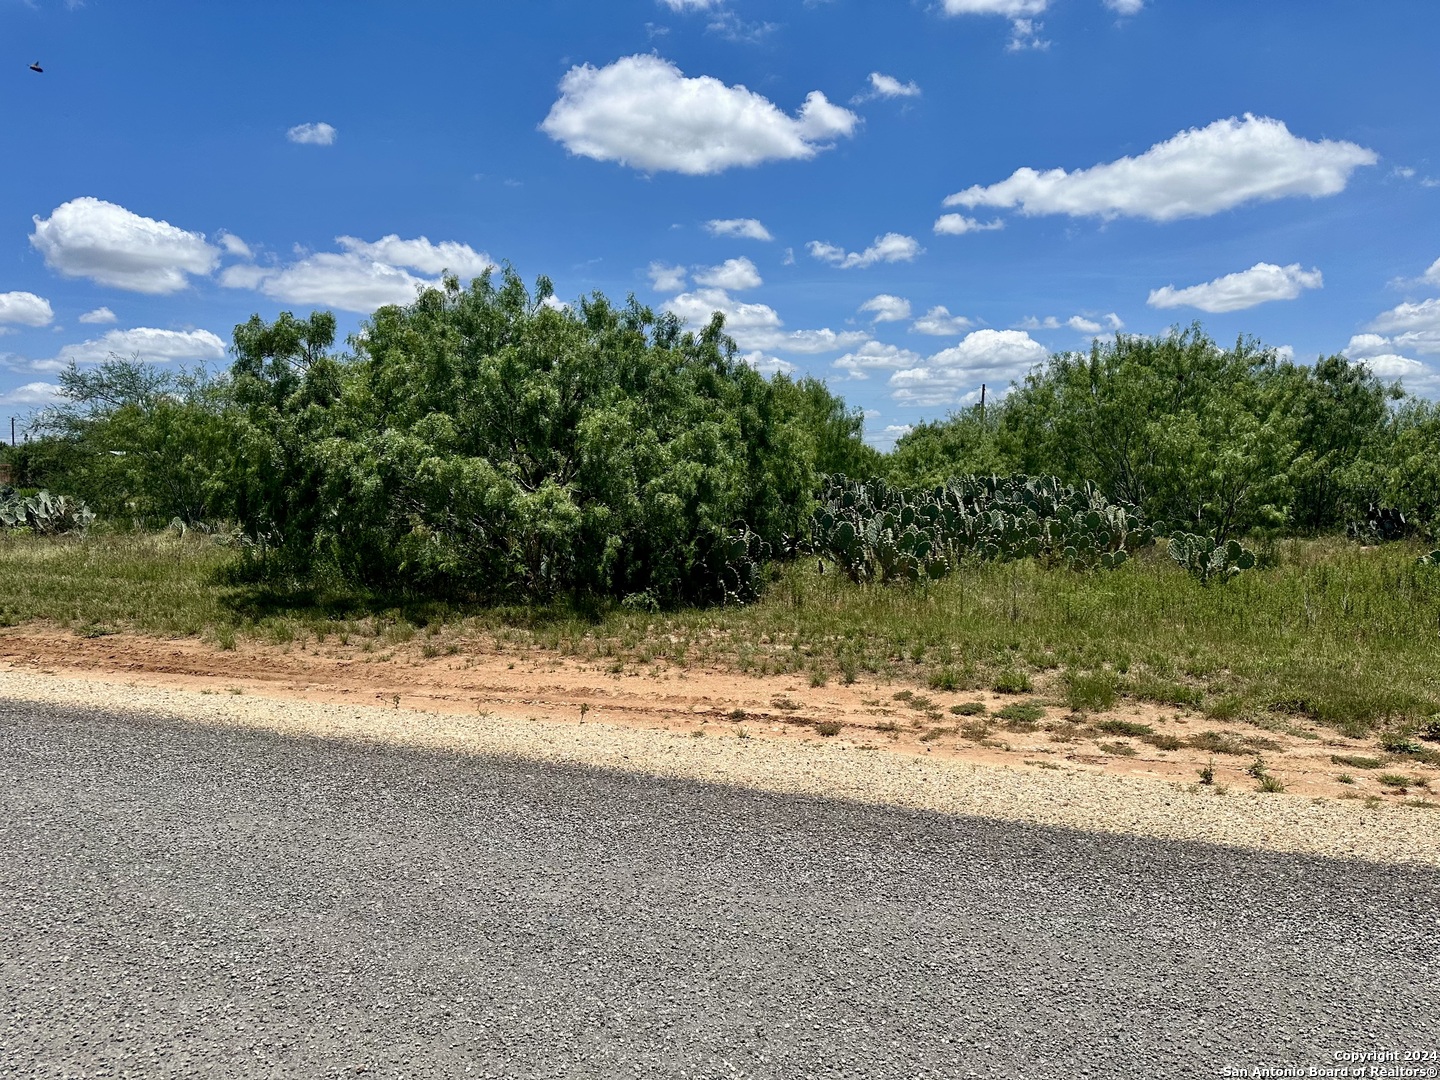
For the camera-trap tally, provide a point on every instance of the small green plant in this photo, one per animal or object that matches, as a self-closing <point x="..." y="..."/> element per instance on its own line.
<point x="1345" y="778"/>
<point x="947" y="678"/>
<point x="1207" y="773"/>
<point x="786" y="704"/>
<point x="903" y="695"/>
<point x="828" y="727"/>
<point x="1357" y="761"/>
<point x="1124" y="727"/>
<point x="1118" y="749"/>
<point x="1398" y="743"/>
<point x="1256" y="768"/>
<point x="1208" y="560"/>
<point x="976" y="731"/>
<point x="1216" y="742"/>
<point x="1094" y="692"/>
<point x="969" y="708"/>
<point x="1271" y="784"/>
<point x="1012" y="682"/>
<point x="1164" y="742"/>
<point x="818" y="677"/>
<point x="1395" y="780"/>
<point x="1021" y="713"/>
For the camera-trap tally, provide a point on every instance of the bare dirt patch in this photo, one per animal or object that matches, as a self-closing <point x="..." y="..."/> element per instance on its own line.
<point x="474" y="677"/>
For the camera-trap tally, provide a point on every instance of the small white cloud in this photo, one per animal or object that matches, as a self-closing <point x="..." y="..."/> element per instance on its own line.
<point x="643" y="112"/>
<point x="876" y="355"/>
<point x="887" y="86"/>
<point x="1114" y="322"/>
<point x="757" y="326"/>
<point x="768" y="365"/>
<point x="741" y="228"/>
<point x="365" y="276"/>
<point x="1261" y="284"/>
<point x="100" y="315"/>
<point x="1125" y="7"/>
<point x="32" y="395"/>
<point x="1392" y="366"/>
<point x="1413" y="327"/>
<point x="789" y="259"/>
<point x="1196" y="173"/>
<point x="25" y="309"/>
<point x="731" y="274"/>
<point x="692" y="5"/>
<point x="233" y="245"/>
<point x="988" y="356"/>
<point x="665" y="278"/>
<point x="320" y="134"/>
<point x="938" y="322"/>
<point x="892" y="247"/>
<point x="145" y="343"/>
<point x="1432" y="276"/>
<point x="1025" y="35"/>
<point x="959" y="225"/>
<point x="1285" y="353"/>
<point x="108" y="244"/>
<point x="1083" y="325"/>
<point x="1012" y="9"/>
<point x="420" y="254"/>
<point x="887" y="308"/>
<point x="347" y="281"/>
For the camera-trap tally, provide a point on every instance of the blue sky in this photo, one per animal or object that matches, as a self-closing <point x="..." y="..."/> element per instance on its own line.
<point x="906" y="199"/>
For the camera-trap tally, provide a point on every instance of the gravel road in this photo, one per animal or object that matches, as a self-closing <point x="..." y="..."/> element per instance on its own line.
<point x="182" y="900"/>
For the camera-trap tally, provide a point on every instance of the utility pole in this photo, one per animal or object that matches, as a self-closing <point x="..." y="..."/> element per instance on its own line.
<point x="12" y="431"/>
<point x="982" y="404"/>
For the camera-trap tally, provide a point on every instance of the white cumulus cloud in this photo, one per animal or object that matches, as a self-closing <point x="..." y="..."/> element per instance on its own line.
<point x="233" y="245"/>
<point x="1196" y="173"/>
<point x="692" y="5"/>
<point x="420" y="254"/>
<point x="25" y="309"/>
<point x="643" y="112"/>
<point x="887" y="86"/>
<point x="1013" y="9"/>
<point x="1412" y="327"/>
<point x="757" y="327"/>
<point x="144" y="343"/>
<point x="91" y="238"/>
<point x="892" y="247"/>
<point x="988" y="356"/>
<point x="666" y="278"/>
<point x="31" y="395"/>
<point x="875" y="354"/>
<point x="768" y="365"/>
<point x="959" y="225"/>
<point x="1125" y="7"/>
<point x="1432" y="276"/>
<point x="364" y="276"/>
<point x="938" y="322"/>
<point x="887" y="308"/>
<point x="320" y="134"/>
<point x="98" y="315"/>
<point x="731" y="274"/>
<point x="1261" y="284"/>
<point x="741" y="228"/>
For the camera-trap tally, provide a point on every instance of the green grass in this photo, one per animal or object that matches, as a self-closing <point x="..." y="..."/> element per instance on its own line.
<point x="1333" y="634"/>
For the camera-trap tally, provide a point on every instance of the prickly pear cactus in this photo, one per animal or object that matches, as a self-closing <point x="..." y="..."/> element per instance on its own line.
<point x="45" y="514"/>
<point x="874" y="532"/>
<point x="1208" y="560"/>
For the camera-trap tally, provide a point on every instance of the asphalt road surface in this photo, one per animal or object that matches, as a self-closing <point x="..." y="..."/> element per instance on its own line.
<point x="184" y="901"/>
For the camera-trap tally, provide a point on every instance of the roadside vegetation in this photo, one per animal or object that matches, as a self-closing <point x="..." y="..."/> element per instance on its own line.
<point x="1163" y="520"/>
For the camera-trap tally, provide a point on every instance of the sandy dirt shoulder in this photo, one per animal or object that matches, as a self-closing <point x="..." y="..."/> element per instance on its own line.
<point x="771" y="733"/>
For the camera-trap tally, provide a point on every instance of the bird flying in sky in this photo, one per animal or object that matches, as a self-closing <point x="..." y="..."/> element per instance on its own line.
<point x="36" y="67"/>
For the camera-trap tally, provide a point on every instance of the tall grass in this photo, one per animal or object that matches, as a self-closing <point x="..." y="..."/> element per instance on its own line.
<point x="1344" y="635"/>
